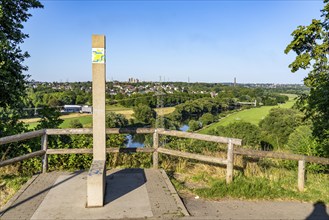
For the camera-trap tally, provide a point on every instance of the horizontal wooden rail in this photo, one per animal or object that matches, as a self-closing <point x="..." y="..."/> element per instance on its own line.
<point x="108" y="131"/>
<point x="130" y="130"/>
<point x="70" y="151"/>
<point x="69" y="131"/>
<point x="24" y="157"/>
<point x="192" y="156"/>
<point x="280" y="155"/>
<point x="21" y="137"/>
<point x="203" y="137"/>
<point x="108" y="150"/>
<point x="130" y="150"/>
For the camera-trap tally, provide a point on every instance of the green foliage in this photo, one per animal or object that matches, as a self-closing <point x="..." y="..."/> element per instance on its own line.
<point x="249" y="133"/>
<point x="114" y="120"/>
<point x="144" y="114"/>
<point x="196" y="108"/>
<point x="86" y="121"/>
<point x="207" y="119"/>
<point x="9" y="184"/>
<point x="12" y="84"/>
<point x="76" y="124"/>
<point x="10" y="122"/>
<point x="49" y="118"/>
<point x="13" y="13"/>
<point x="194" y="125"/>
<point x="301" y="141"/>
<point x="279" y="124"/>
<point x="311" y="44"/>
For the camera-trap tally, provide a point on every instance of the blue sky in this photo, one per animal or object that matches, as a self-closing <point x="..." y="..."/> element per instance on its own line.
<point x="207" y="41"/>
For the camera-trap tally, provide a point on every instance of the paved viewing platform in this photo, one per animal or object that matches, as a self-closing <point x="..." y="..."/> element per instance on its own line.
<point x="139" y="194"/>
<point x="130" y="193"/>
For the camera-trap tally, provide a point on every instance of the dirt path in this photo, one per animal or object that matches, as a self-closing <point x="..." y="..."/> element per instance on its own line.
<point x="236" y="209"/>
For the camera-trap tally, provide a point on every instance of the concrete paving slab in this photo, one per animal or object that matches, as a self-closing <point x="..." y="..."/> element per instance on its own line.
<point x="126" y="197"/>
<point x="29" y="197"/>
<point x="130" y="193"/>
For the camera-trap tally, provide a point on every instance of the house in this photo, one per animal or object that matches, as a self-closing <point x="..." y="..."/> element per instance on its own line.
<point x="86" y="109"/>
<point x="72" y="108"/>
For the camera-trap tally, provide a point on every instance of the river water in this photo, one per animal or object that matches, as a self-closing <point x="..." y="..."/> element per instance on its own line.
<point x="134" y="143"/>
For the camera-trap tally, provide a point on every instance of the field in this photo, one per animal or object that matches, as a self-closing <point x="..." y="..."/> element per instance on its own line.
<point x="253" y="115"/>
<point x="86" y="119"/>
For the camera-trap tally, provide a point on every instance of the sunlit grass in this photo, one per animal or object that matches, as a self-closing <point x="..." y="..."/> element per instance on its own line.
<point x="253" y="115"/>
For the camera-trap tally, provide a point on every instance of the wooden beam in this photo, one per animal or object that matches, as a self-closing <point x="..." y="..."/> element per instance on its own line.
<point x="20" y="158"/>
<point x="68" y="131"/>
<point x="155" y="156"/>
<point x="130" y="130"/>
<point x="70" y="151"/>
<point x="301" y="175"/>
<point x="280" y="155"/>
<point x="202" y="137"/>
<point x="21" y="137"/>
<point x="108" y="150"/>
<point x="129" y="150"/>
<point x="204" y="158"/>
<point x="230" y="161"/>
<point x="44" y="146"/>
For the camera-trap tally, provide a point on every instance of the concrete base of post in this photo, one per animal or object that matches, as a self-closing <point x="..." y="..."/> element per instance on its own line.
<point x="96" y="184"/>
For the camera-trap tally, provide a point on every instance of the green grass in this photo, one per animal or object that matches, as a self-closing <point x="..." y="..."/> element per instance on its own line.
<point x="285" y="188"/>
<point x="116" y="108"/>
<point x="9" y="185"/>
<point x="84" y="120"/>
<point x="253" y="115"/>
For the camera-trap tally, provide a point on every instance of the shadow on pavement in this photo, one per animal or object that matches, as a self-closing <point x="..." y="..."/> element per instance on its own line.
<point x="122" y="182"/>
<point x="319" y="212"/>
<point x="39" y="193"/>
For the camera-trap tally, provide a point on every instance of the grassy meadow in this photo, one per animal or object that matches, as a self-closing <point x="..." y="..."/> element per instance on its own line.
<point x="253" y="115"/>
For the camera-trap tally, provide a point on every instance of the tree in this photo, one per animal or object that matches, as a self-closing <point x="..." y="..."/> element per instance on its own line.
<point x="12" y="80"/>
<point x="75" y="123"/>
<point x="311" y="44"/>
<point x="13" y="13"/>
<point x="279" y="124"/>
<point x="207" y="119"/>
<point x="114" y="120"/>
<point x="194" y="125"/>
<point x="144" y="113"/>
<point x="49" y="118"/>
<point x="249" y="133"/>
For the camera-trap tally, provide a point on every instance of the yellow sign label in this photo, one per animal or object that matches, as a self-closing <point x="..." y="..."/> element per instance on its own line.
<point x="98" y="55"/>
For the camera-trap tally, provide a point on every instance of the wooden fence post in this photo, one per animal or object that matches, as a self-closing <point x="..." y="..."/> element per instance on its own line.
<point x="230" y="159"/>
<point x="155" y="146"/>
<point x="301" y="175"/>
<point x="44" y="146"/>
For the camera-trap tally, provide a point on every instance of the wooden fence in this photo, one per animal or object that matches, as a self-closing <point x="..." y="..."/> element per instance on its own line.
<point x="232" y="148"/>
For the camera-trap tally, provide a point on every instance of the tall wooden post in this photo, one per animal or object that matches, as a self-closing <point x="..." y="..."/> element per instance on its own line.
<point x="44" y="146"/>
<point x="96" y="177"/>
<point x="301" y="175"/>
<point x="98" y="69"/>
<point x="230" y="160"/>
<point x="155" y="146"/>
